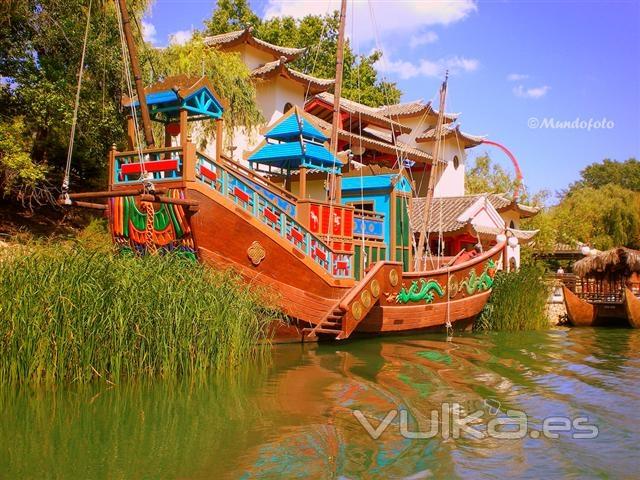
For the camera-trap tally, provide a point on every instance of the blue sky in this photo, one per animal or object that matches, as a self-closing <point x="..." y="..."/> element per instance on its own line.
<point x="512" y="64"/>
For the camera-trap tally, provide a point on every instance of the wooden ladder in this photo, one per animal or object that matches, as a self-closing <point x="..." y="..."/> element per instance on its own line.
<point x="353" y="307"/>
<point x="329" y="327"/>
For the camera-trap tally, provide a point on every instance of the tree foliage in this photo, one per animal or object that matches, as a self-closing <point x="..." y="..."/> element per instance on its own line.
<point x="626" y="174"/>
<point x="319" y="35"/>
<point x="227" y="72"/>
<point x="40" y="49"/>
<point x="602" y="209"/>
<point x="486" y="176"/>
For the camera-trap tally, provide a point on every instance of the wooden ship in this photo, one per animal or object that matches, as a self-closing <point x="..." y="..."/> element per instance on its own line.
<point x="335" y="270"/>
<point x="605" y="289"/>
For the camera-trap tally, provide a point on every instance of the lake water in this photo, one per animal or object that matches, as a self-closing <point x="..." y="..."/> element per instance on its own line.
<point x="295" y="417"/>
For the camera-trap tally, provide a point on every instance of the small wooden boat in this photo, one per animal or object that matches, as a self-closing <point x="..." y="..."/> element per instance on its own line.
<point x="605" y="289"/>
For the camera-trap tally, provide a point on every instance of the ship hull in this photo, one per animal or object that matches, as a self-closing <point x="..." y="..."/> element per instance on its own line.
<point x="584" y="314"/>
<point x="224" y="233"/>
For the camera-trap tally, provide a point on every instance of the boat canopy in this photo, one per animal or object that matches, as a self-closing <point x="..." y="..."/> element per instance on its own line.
<point x="294" y="143"/>
<point x="616" y="262"/>
<point x="194" y="95"/>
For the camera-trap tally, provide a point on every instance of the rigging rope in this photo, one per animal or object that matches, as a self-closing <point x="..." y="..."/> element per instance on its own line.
<point x="67" y="170"/>
<point x="144" y="177"/>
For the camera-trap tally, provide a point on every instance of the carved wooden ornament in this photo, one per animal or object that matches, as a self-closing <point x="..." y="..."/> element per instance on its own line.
<point x="256" y="253"/>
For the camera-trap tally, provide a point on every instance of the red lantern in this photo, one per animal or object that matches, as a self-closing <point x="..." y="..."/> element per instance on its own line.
<point x="173" y="129"/>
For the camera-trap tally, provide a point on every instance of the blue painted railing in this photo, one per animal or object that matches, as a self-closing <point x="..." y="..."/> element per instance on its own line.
<point x="273" y="211"/>
<point x="164" y="164"/>
<point x="368" y="224"/>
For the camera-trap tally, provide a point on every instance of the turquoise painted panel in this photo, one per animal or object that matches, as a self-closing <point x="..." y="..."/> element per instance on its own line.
<point x="291" y="155"/>
<point x="289" y="129"/>
<point x="372" y="228"/>
<point x="374" y="182"/>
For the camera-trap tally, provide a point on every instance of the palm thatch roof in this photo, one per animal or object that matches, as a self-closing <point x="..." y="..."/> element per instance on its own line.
<point x="618" y="261"/>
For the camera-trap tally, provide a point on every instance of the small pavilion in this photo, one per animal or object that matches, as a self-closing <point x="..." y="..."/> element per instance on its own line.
<point x="294" y="144"/>
<point x="174" y="102"/>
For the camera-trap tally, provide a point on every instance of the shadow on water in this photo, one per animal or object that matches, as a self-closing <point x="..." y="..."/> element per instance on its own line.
<point x="294" y="417"/>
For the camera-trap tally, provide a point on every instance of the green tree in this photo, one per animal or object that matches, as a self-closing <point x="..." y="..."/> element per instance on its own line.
<point x="601" y="217"/>
<point x="486" y="176"/>
<point x="227" y="72"/>
<point x="626" y="174"/>
<point x="319" y="35"/>
<point x="231" y="15"/>
<point x="40" y="49"/>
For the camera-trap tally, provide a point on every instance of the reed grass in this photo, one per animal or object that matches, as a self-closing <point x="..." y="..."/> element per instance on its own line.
<point x="70" y="312"/>
<point x="517" y="302"/>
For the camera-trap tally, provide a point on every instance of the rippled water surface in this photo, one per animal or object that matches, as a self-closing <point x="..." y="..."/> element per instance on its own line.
<point x="294" y="418"/>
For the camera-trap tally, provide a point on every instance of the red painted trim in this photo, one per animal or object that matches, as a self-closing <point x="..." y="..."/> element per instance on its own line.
<point x="296" y="235"/>
<point x="341" y="265"/>
<point x="320" y="254"/>
<point x="155" y="166"/>
<point x="206" y="172"/>
<point x="271" y="216"/>
<point x="241" y="194"/>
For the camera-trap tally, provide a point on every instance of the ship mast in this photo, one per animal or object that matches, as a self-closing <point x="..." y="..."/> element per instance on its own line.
<point x="434" y="175"/>
<point x="334" y="187"/>
<point x="135" y="66"/>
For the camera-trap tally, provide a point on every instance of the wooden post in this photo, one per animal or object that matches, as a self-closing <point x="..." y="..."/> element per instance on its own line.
<point x="184" y="127"/>
<point x="131" y="133"/>
<point x="333" y="183"/>
<point x="112" y="165"/>
<point x="433" y="179"/>
<point x="189" y="162"/>
<point x="219" y="126"/>
<point x="303" y="183"/>
<point x="135" y="66"/>
<point x="167" y="141"/>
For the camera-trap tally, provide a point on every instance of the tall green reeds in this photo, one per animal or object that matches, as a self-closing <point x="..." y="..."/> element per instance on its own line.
<point x="517" y="302"/>
<point x="73" y="313"/>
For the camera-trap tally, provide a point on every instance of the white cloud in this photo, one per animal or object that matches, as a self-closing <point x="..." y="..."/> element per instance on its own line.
<point x="406" y="15"/>
<point x="427" y="68"/>
<point x="423" y="39"/>
<point x="516" y="77"/>
<point x="535" y="92"/>
<point x="149" y="32"/>
<point x="180" y="37"/>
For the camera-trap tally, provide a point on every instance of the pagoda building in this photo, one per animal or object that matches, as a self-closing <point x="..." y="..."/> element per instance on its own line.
<point x="368" y="136"/>
<point x="279" y="87"/>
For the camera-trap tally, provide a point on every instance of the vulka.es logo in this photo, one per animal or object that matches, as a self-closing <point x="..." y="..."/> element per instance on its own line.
<point x="448" y="422"/>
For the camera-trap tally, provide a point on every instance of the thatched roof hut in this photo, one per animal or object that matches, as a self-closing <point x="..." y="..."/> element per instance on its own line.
<point x="617" y="261"/>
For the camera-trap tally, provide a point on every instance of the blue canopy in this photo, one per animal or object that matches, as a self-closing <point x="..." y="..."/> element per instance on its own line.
<point x="291" y="128"/>
<point x="199" y="102"/>
<point x="294" y="155"/>
<point x="375" y="182"/>
<point x="295" y="143"/>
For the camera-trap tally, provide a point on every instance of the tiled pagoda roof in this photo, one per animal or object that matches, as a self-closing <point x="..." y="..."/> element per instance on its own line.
<point x="231" y="39"/>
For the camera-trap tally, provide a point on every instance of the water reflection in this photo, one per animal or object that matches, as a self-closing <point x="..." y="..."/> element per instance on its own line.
<point x="294" y="417"/>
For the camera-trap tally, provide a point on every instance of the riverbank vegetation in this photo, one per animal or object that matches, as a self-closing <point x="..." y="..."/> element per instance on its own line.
<point x="601" y="209"/>
<point x="517" y="302"/>
<point x="75" y="312"/>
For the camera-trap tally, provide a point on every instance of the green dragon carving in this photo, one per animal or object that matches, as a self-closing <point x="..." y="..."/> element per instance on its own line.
<point x="415" y="293"/>
<point x="426" y="289"/>
<point x="479" y="283"/>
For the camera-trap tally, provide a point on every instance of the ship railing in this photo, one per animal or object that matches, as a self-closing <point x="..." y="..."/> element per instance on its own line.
<point x="259" y="181"/>
<point x="593" y="290"/>
<point x="160" y="164"/>
<point x="368" y="224"/>
<point x="274" y="211"/>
